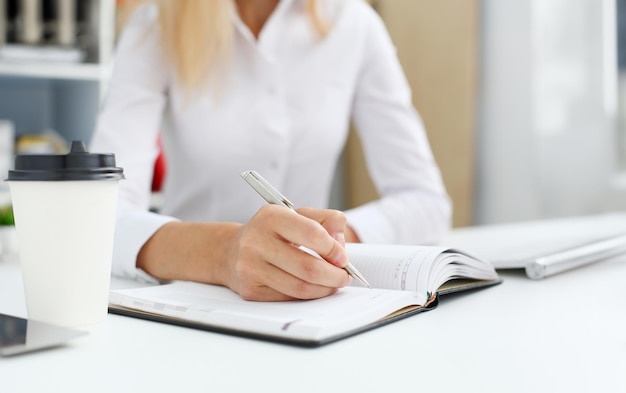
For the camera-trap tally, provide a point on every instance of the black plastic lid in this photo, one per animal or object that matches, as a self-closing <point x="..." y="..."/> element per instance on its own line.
<point x="78" y="164"/>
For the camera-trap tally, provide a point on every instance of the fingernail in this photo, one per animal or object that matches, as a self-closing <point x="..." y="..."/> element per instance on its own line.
<point x="340" y="259"/>
<point x="341" y="238"/>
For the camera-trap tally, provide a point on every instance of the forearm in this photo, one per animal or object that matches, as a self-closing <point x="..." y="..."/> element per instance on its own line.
<point x="189" y="251"/>
<point x="257" y="260"/>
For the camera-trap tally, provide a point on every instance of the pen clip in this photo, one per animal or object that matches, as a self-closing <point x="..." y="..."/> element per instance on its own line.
<point x="265" y="189"/>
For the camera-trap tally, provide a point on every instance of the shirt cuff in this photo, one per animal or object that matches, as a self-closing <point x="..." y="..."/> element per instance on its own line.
<point x="132" y="231"/>
<point x="370" y="225"/>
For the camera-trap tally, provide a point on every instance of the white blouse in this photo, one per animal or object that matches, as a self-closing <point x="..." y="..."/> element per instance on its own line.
<point x="282" y="108"/>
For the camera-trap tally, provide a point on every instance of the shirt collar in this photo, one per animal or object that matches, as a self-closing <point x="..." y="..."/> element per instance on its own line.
<point x="279" y="12"/>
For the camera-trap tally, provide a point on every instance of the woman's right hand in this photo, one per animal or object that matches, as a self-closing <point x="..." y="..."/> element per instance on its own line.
<point x="260" y="260"/>
<point x="267" y="263"/>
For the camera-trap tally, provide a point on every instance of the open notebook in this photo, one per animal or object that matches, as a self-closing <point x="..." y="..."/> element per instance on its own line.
<point x="406" y="280"/>
<point x="546" y="247"/>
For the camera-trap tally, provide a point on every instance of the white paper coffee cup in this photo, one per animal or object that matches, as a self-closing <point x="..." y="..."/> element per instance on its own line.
<point x="64" y="208"/>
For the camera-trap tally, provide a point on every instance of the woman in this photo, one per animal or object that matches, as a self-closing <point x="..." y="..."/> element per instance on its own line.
<point x="267" y="85"/>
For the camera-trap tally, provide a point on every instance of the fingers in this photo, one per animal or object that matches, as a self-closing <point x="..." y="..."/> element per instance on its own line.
<point x="279" y="285"/>
<point x="333" y="221"/>
<point x="323" y="233"/>
<point x="307" y="269"/>
<point x="270" y="265"/>
<point x="290" y="274"/>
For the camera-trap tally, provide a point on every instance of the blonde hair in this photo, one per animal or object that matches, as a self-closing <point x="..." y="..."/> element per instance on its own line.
<point x="197" y="35"/>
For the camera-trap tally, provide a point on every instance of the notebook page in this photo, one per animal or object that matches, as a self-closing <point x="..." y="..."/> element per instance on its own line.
<point x="217" y="306"/>
<point x="394" y="266"/>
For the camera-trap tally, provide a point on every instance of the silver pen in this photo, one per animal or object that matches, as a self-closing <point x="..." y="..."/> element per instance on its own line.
<point x="271" y="195"/>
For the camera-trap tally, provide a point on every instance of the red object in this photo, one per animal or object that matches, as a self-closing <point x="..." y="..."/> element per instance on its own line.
<point x="159" y="169"/>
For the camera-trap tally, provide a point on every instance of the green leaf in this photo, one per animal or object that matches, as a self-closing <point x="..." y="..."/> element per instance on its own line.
<point x="6" y="215"/>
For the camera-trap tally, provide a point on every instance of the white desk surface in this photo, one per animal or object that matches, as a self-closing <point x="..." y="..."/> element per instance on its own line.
<point x="566" y="333"/>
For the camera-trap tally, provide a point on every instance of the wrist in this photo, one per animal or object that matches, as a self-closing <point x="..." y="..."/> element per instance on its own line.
<point x="190" y="251"/>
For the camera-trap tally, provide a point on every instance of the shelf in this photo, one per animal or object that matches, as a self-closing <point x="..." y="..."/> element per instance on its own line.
<point x="42" y="92"/>
<point x="83" y="71"/>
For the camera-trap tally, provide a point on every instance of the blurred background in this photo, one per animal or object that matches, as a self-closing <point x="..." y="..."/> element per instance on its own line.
<point x="523" y="100"/>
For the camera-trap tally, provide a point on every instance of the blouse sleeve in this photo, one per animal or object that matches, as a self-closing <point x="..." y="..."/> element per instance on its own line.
<point x="414" y="206"/>
<point x="128" y="126"/>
